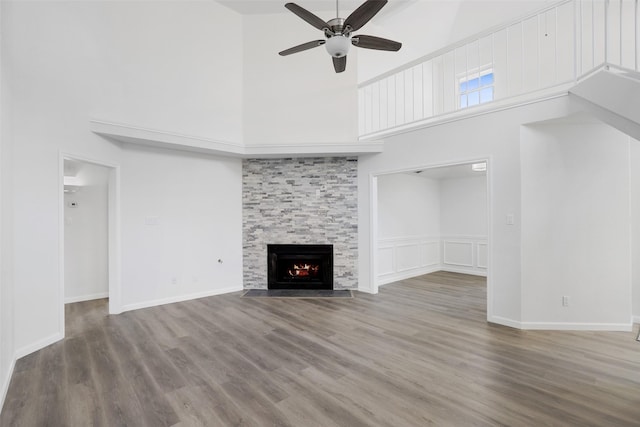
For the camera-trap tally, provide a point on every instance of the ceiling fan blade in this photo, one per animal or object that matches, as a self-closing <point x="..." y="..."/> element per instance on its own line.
<point x="301" y="47"/>
<point x="363" y="14"/>
<point x="307" y="16"/>
<point x="340" y="63"/>
<point x="378" y="43"/>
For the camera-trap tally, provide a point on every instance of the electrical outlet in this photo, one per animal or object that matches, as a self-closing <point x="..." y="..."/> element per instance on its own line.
<point x="565" y="301"/>
<point x="511" y="219"/>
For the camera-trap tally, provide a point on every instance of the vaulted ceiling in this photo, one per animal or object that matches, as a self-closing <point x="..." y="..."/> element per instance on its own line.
<point x="423" y="26"/>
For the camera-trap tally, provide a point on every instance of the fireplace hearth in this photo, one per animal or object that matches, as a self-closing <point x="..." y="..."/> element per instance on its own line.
<point x="300" y="266"/>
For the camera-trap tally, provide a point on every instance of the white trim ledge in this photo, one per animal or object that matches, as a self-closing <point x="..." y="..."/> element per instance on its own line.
<point x="181" y="298"/>
<point x="480" y="110"/>
<point x="38" y="345"/>
<point x="154" y="138"/>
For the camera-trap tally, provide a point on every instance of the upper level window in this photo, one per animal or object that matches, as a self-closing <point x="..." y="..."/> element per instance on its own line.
<point x="476" y="89"/>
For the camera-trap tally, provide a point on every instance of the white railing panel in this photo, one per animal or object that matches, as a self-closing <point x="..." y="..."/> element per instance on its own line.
<point x="613" y="35"/>
<point x="427" y="89"/>
<point x="449" y="82"/>
<point x="391" y="101"/>
<point x="515" y="58"/>
<point x="500" y="65"/>
<point x="418" y="93"/>
<point x="531" y="58"/>
<point x="400" y="99"/>
<point x="555" y="46"/>
<point x="367" y="109"/>
<point x="384" y="104"/>
<point x="627" y="34"/>
<point x="375" y="107"/>
<point x="408" y="95"/>
<point x="565" y="43"/>
<point x="599" y="29"/>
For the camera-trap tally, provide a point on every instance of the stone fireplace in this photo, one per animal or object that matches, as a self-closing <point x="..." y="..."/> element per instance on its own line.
<point x="300" y="201"/>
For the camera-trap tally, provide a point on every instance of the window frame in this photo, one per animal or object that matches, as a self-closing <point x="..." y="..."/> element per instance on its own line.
<point x="470" y="76"/>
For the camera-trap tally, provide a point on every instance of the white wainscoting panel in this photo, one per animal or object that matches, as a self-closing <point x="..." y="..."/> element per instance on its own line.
<point x="481" y="254"/>
<point x="458" y="253"/>
<point x="386" y="261"/>
<point x="406" y="257"/>
<point x="465" y="254"/>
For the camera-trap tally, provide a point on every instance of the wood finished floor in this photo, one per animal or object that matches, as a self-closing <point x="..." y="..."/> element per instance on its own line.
<point x="419" y="353"/>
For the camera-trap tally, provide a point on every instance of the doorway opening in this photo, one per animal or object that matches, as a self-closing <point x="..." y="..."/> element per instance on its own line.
<point x="430" y="219"/>
<point x="89" y="229"/>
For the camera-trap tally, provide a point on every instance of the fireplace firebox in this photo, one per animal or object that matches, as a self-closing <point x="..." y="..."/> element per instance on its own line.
<point x="300" y="266"/>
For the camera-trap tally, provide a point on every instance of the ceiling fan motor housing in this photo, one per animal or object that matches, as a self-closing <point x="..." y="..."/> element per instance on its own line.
<point x="338" y="46"/>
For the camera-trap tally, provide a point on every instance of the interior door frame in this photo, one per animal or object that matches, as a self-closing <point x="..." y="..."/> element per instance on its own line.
<point x="373" y="215"/>
<point x="114" y="233"/>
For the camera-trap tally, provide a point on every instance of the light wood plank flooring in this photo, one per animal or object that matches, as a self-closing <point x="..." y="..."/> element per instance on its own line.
<point x="419" y="353"/>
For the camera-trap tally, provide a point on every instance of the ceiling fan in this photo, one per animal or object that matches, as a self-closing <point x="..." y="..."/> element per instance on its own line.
<point x="338" y="32"/>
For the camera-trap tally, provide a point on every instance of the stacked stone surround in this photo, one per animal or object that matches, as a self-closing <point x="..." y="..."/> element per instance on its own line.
<point x="300" y="201"/>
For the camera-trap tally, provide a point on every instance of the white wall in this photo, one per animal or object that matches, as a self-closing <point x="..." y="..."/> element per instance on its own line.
<point x="173" y="66"/>
<point x="86" y="221"/>
<point x="148" y="64"/>
<point x="634" y="153"/>
<point x="7" y="314"/>
<point x="408" y="226"/>
<point x="181" y="212"/>
<point x="463" y="224"/>
<point x="463" y="206"/>
<point x="576" y="229"/>
<point x="408" y="205"/>
<point x="493" y="136"/>
<point x="297" y="98"/>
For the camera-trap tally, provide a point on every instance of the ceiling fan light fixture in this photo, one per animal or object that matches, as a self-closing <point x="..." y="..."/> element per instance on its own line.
<point x="338" y="46"/>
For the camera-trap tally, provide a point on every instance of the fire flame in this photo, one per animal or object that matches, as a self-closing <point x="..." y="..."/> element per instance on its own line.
<point x="304" y="270"/>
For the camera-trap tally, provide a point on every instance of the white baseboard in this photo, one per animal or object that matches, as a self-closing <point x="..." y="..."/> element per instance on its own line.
<point x="86" y="297"/>
<point x="180" y="298"/>
<point x="463" y="270"/>
<point x="561" y="326"/>
<point x="403" y="275"/>
<point x="7" y="381"/>
<point x="28" y="349"/>
<point x="505" y="322"/>
<point x="366" y="290"/>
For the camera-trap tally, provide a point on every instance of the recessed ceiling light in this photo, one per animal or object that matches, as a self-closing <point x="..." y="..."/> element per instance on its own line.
<point x="479" y="167"/>
<point x="72" y="180"/>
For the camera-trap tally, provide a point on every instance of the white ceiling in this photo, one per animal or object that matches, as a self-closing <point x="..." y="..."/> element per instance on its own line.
<point x="325" y="9"/>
